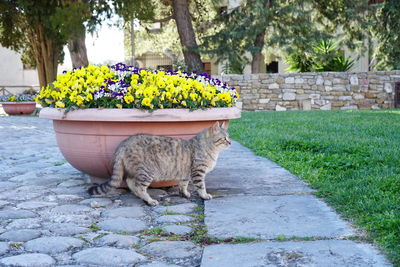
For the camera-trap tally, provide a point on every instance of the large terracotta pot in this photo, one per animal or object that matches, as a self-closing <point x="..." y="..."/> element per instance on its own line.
<point x="19" y="108"/>
<point x="88" y="138"/>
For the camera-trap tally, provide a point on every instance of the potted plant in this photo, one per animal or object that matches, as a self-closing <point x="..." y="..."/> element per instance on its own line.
<point x="95" y="108"/>
<point x="19" y="104"/>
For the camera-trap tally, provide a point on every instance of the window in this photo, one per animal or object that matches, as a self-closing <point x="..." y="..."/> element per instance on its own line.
<point x="164" y="67"/>
<point x="207" y="67"/>
<point x="272" y="67"/>
<point x="374" y="2"/>
<point x="222" y="10"/>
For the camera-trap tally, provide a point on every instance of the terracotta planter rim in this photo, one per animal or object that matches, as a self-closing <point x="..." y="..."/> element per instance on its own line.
<point x="21" y="102"/>
<point x="127" y="115"/>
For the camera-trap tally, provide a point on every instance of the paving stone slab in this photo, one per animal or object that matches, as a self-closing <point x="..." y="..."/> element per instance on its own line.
<point x="174" y="219"/>
<point x="20" y="235"/>
<point x="96" y="202"/>
<point x="239" y="171"/>
<point x="31" y="223"/>
<point x="5" y="185"/>
<point x="123" y="225"/>
<point x="31" y="205"/>
<point x="16" y="214"/>
<point x="126" y="212"/>
<point x="71" y="209"/>
<point x="172" y="249"/>
<point x="178" y="229"/>
<point x="270" y="216"/>
<point x="28" y="260"/>
<point x="158" y="264"/>
<point x="108" y="257"/>
<point x="66" y="229"/>
<point x="3" y="203"/>
<point x="181" y="208"/>
<point x="326" y="253"/>
<point x="121" y="241"/>
<point x="3" y="247"/>
<point x="54" y="244"/>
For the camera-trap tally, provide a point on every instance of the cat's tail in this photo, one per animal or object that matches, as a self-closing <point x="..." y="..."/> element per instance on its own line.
<point x="114" y="182"/>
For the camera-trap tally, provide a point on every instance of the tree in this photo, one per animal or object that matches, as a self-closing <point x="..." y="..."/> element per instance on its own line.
<point x="23" y="29"/>
<point x="33" y="27"/>
<point x="186" y="34"/>
<point x="386" y="31"/>
<point x="40" y="29"/>
<point x="166" y="39"/>
<point x="292" y="24"/>
<point x="180" y="20"/>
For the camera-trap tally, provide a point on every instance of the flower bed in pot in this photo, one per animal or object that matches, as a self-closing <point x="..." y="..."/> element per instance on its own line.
<point x="21" y="104"/>
<point x="95" y="108"/>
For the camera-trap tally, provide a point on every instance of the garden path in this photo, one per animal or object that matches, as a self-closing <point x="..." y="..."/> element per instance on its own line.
<point x="48" y="219"/>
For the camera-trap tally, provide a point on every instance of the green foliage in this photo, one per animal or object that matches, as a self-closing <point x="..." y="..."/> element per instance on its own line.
<point x="300" y="62"/>
<point x="234" y="66"/>
<point x="164" y="39"/>
<point x="61" y="20"/>
<point x="289" y="25"/>
<point x="94" y="227"/>
<point x="324" y="56"/>
<point x="157" y="231"/>
<point x="350" y="157"/>
<point x="386" y="32"/>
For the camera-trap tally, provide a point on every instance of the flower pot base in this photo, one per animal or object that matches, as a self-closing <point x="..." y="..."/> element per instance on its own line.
<point x="19" y="108"/>
<point x="160" y="184"/>
<point x="88" y="138"/>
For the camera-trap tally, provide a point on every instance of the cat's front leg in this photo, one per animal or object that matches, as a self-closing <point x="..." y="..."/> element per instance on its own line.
<point x="198" y="181"/>
<point x="183" y="185"/>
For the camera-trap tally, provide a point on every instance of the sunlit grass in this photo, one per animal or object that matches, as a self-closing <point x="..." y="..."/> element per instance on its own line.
<point x="351" y="157"/>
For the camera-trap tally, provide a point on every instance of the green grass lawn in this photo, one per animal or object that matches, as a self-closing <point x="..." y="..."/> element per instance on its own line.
<point x="351" y="157"/>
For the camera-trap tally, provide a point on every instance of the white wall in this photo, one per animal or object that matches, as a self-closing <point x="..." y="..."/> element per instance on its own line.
<point x="12" y="71"/>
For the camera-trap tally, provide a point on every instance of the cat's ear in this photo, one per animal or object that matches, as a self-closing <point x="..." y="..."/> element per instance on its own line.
<point x="215" y="127"/>
<point x="222" y="125"/>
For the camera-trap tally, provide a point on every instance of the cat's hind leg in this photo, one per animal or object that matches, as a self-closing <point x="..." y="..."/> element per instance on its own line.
<point x="139" y="188"/>
<point x="183" y="185"/>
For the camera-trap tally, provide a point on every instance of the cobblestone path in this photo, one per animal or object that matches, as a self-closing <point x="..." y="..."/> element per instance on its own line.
<point x="48" y="219"/>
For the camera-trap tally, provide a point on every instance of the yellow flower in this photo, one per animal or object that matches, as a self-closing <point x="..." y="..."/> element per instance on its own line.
<point x="183" y="103"/>
<point x="193" y="96"/>
<point x="79" y="100"/>
<point x="146" y="101"/>
<point x="60" y="104"/>
<point x="128" y="99"/>
<point x="118" y="105"/>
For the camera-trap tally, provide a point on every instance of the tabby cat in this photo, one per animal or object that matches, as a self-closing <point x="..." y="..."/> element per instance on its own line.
<point x="142" y="159"/>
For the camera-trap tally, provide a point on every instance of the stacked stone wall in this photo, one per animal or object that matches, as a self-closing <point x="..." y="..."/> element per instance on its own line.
<point x="323" y="90"/>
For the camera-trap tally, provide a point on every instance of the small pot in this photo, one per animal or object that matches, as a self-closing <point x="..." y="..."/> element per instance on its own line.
<point x="19" y="108"/>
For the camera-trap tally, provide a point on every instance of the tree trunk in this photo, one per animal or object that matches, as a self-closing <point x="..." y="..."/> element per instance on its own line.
<point x="257" y="56"/>
<point x="46" y="54"/>
<point x="77" y="49"/>
<point x="186" y="35"/>
<point x="259" y="42"/>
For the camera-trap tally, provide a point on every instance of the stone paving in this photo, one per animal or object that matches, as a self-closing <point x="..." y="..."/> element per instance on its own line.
<point x="48" y="219"/>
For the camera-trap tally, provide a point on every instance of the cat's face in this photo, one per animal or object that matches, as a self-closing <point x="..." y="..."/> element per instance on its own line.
<point x="219" y="136"/>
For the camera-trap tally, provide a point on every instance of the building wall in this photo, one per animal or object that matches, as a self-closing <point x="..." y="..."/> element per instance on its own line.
<point x="323" y="90"/>
<point x="152" y="60"/>
<point x="12" y="72"/>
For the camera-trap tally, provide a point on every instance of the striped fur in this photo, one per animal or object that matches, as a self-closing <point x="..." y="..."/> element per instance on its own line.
<point x="142" y="159"/>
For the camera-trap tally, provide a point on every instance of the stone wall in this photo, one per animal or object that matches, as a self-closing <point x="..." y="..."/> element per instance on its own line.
<point x="323" y="90"/>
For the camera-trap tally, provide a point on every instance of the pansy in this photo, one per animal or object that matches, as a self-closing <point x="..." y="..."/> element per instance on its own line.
<point x="122" y="86"/>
